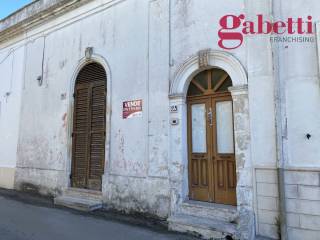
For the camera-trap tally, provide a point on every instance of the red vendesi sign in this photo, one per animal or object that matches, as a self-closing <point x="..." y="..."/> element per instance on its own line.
<point x="132" y="109"/>
<point x="233" y="28"/>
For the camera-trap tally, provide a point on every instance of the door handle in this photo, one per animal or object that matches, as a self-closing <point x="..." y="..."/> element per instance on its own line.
<point x="210" y="117"/>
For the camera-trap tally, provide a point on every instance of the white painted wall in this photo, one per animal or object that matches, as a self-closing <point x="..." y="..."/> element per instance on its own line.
<point x="10" y="92"/>
<point x="300" y="76"/>
<point x="11" y="69"/>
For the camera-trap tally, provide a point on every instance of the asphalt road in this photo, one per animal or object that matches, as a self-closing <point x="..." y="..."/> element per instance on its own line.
<point x="21" y="220"/>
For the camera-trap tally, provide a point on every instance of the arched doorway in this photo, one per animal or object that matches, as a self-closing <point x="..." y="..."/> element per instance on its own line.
<point x="89" y="127"/>
<point x="212" y="168"/>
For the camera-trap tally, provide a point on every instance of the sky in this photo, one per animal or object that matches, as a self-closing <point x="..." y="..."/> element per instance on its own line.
<point x="9" y="6"/>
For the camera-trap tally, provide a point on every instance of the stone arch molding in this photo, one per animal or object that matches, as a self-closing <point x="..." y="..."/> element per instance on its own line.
<point x="95" y="58"/>
<point x="207" y="59"/>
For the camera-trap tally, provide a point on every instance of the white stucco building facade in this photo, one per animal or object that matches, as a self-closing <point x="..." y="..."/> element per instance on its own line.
<point x="151" y="50"/>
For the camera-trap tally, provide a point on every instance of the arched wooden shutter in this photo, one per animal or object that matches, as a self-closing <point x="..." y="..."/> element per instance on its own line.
<point x="89" y="128"/>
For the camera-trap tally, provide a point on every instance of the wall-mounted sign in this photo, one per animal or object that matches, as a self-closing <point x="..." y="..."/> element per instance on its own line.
<point x="132" y="109"/>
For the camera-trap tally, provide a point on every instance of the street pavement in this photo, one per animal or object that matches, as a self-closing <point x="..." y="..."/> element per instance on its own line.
<point x="20" y="220"/>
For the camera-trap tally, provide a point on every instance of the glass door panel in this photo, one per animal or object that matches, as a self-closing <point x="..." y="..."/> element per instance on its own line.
<point x="199" y="129"/>
<point x="224" y="119"/>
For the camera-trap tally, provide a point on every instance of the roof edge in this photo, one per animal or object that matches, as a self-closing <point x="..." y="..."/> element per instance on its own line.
<point x="34" y="14"/>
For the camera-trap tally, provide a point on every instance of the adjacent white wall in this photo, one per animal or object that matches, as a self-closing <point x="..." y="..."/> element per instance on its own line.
<point x="300" y="76"/>
<point x="11" y="69"/>
<point x="299" y="79"/>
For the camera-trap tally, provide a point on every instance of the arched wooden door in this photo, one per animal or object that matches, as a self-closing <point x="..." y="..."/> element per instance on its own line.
<point x="212" y="169"/>
<point x="89" y="127"/>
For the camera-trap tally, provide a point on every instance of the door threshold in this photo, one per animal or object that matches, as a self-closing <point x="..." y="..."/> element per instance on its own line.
<point x="84" y="190"/>
<point x="209" y="204"/>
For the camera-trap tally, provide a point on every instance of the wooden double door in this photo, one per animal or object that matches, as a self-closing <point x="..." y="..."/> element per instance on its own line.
<point x="212" y="169"/>
<point x="89" y="128"/>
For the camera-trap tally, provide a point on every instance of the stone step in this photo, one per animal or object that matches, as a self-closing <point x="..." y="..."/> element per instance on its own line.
<point x="263" y="238"/>
<point x="80" y="199"/>
<point x="83" y="193"/>
<point x="208" y="228"/>
<point x="82" y="204"/>
<point x="214" y="211"/>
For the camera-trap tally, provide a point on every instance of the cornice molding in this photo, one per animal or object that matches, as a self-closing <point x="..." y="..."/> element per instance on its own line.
<point x="34" y="14"/>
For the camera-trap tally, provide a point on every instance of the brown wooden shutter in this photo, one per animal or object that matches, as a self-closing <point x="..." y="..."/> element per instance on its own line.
<point x="97" y="135"/>
<point x="89" y="127"/>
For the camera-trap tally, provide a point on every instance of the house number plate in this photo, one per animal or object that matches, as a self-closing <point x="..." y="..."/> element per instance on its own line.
<point x="174" y="109"/>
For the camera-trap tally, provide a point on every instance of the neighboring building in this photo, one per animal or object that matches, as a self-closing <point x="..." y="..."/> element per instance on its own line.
<point x="218" y="142"/>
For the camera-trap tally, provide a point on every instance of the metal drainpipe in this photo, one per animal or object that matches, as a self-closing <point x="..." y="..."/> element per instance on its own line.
<point x="281" y="136"/>
<point x="283" y="216"/>
<point x="281" y="128"/>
